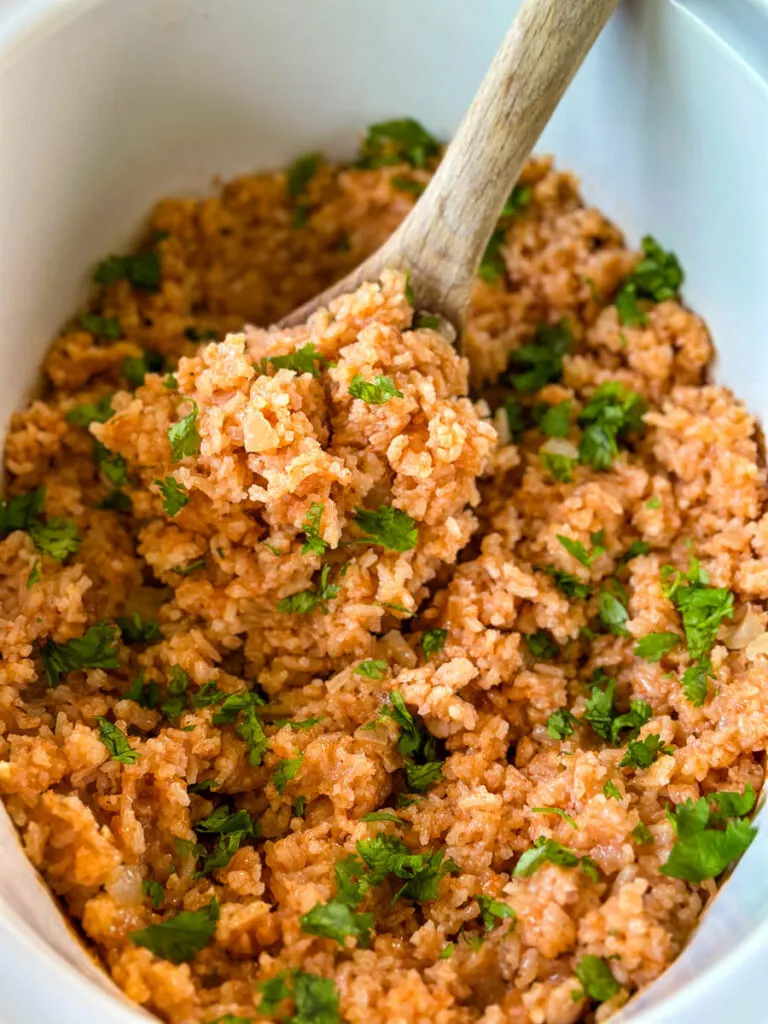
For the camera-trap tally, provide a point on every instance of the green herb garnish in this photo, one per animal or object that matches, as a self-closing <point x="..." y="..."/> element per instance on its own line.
<point x="373" y="669"/>
<point x="390" y="527"/>
<point x="547" y="850"/>
<point x="493" y="911"/>
<point x="399" y="141"/>
<point x="561" y="723"/>
<point x="375" y="392"/>
<point x="286" y="770"/>
<point x="433" y="641"/>
<point x="306" y="601"/>
<point x="336" y="920"/>
<point x="595" y="975"/>
<point x="654" y="646"/>
<point x="540" y="362"/>
<point x="642" y="753"/>
<point x="142" y="270"/>
<point x="107" y="327"/>
<point x="181" y="937"/>
<point x="184" y="437"/>
<point x="87" y="413"/>
<point x="657" y="277"/>
<point x="98" y="647"/>
<point x="175" y="496"/>
<point x="577" y="550"/>
<point x="711" y="833"/>
<point x="116" y="742"/>
<point x="313" y="543"/>
<point x="611" y="415"/>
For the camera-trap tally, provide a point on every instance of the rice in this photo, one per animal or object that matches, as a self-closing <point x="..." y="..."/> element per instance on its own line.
<point x="244" y="541"/>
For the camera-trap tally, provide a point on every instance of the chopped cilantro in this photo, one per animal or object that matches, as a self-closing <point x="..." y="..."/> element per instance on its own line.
<point x="492" y="266"/>
<point x="145" y="696"/>
<point x="193" y="333"/>
<point x="303" y="360"/>
<point x="425" y="321"/>
<point x="493" y="911"/>
<point x="222" y="821"/>
<point x="201" y="788"/>
<point x="421" y="873"/>
<point x="433" y="641"/>
<point x="190" y="567"/>
<point x="602" y="715"/>
<point x="176" y="701"/>
<point x="56" y="537"/>
<point x="375" y="392"/>
<point x="704" y="848"/>
<point x="234" y="703"/>
<point x="136" y="368"/>
<point x="314" y="543"/>
<point x="702" y="608"/>
<point x="171" y="383"/>
<point x="142" y="270"/>
<point x="556" y="420"/>
<point x="657" y="277"/>
<point x="87" y="413"/>
<point x="153" y="891"/>
<point x="642" y="834"/>
<point x="694" y="682"/>
<point x="407" y="185"/>
<point x="561" y="723"/>
<point x="560" y="467"/>
<point x="134" y="630"/>
<point x="518" y="199"/>
<point x="175" y="496"/>
<point x="273" y="991"/>
<point x="286" y="770"/>
<point x="110" y="464"/>
<point x="299" y="807"/>
<point x="577" y="550"/>
<point x="301" y="172"/>
<point x="654" y="646"/>
<point x="208" y="694"/>
<point x="402" y="140"/>
<point x="98" y="647"/>
<point x="595" y="975"/>
<point x="515" y="417"/>
<point x="385" y="816"/>
<point x="544" y="850"/>
<point x="305" y="723"/>
<point x="447" y="951"/>
<point x="316" y="999"/>
<point x="540" y="362"/>
<point x="181" y="937"/>
<point x="374" y="669"/>
<point x="611" y="791"/>
<point x="336" y="920"/>
<point x="642" y="753"/>
<point x="653" y="502"/>
<point x="566" y="582"/>
<point x="107" y="327"/>
<point x="541" y="645"/>
<point x="306" y="601"/>
<point x="117" y="502"/>
<point x="636" y="548"/>
<point x="612" y="609"/>
<point x="555" y="810"/>
<point x="390" y="527"/>
<point x="418" y="748"/>
<point x="21" y="511"/>
<point x="611" y="414"/>
<point x="184" y="437"/>
<point x="116" y="742"/>
<point x="34" y="574"/>
<point x="251" y="730"/>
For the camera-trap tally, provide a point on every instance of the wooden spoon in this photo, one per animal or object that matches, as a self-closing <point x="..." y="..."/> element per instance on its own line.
<point x="442" y="240"/>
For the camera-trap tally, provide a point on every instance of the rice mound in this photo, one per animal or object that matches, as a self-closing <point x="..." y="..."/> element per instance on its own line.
<point x="273" y="442"/>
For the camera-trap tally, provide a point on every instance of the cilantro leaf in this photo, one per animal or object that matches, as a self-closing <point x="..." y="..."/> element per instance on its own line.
<point x="518" y="199"/>
<point x="577" y="550"/>
<point x="303" y="360"/>
<point x="234" y="703"/>
<point x="418" y="747"/>
<point x="21" y="511"/>
<point x="402" y="140"/>
<point x="706" y="853"/>
<point x="145" y="696"/>
<point x="305" y="723"/>
<point x="97" y="648"/>
<point x="251" y="730"/>
<point x="314" y="542"/>
<point x="176" y="702"/>
<point x="540" y="362"/>
<point x="492" y="911"/>
<point x="34" y="574"/>
<point x="273" y="992"/>
<point x="425" y="321"/>
<point x="636" y="548"/>
<point x="184" y="437"/>
<point x="612" y="611"/>
<point x="187" y="570"/>
<point x="385" y="816"/>
<point x="136" y="368"/>
<point x="117" y="502"/>
<point x="286" y="770"/>
<point x="97" y="412"/>
<point x="175" y="496"/>
<point x="154" y="891"/>
<point x="556" y="420"/>
<point x="116" y="742"/>
<point x="561" y="723"/>
<point x="492" y="266"/>
<point x="134" y="630"/>
<point x="181" y="937"/>
<point x="642" y="753"/>
<point x="142" y="270"/>
<point x="336" y="920"/>
<point x="375" y="392"/>
<point x="694" y="682"/>
<point x="56" y="537"/>
<point x="611" y="414"/>
<point x="388" y="855"/>
<point x="731" y="805"/>
<point x="541" y="645"/>
<point x="222" y="821"/>
<point x="419" y="777"/>
<point x="374" y="669"/>
<point x="654" y="646"/>
<point x="547" y="850"/>
<point x="560" y="467"/>
<point x="515" y="417"/>
<point x="107" y="327"/>
<point x="390" y="527"/>
<point x="566" y="582"/>
<point x="316" y="999"/>
<point x="555" y="810"/>
<point x="433" y="641"/>
<point x="702" y="608"/>
<point x="612" y="791"/>
<point x="110" y="464"/>
<point x="602" y="715"/>
<point x="657" y="277"/>
<point x="301" y="172"/>
<point x="305" y="601"/>
<point x="595" y="975"/>
<point x="407" y="185"/>
<point x="642" y="834"/>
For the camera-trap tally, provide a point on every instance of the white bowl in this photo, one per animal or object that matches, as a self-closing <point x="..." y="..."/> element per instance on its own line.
<point x="107" y="104"/>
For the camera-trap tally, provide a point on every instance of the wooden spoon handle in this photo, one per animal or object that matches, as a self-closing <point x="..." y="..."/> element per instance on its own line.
<point x="442" y="240"/>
